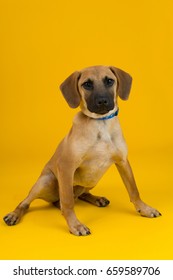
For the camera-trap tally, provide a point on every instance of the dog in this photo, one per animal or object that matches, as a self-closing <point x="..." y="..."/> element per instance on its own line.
<point x="94" y="143"/>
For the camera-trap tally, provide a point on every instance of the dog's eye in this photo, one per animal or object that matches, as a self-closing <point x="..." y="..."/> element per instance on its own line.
<point x="88" y="85"/>
<point x="108" y="82"/>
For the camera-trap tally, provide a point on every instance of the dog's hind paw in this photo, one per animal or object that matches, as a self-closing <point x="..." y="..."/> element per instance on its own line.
<point x="95" y="200"/>
<point x="102" y="202"/>
<point x="11" y="219"/>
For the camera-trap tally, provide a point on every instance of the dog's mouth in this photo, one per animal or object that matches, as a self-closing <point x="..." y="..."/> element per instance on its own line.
<point x="100" y="104"/>
<point x="101" y="109"/>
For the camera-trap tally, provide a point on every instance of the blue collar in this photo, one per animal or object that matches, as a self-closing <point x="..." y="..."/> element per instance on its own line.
<point x="109" y="116"/>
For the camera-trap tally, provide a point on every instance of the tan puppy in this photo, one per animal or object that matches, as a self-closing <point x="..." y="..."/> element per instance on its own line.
<point x="94" y="142"/>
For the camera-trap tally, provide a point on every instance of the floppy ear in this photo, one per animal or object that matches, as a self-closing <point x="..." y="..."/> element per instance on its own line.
<point x="124" y="82"/>
<point x="69" y="89"/>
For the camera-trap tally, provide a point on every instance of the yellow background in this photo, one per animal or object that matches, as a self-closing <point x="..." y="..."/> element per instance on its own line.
<point x="42" y="42"/>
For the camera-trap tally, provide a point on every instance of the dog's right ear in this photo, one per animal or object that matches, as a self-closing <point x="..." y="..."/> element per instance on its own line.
<point x="69" y="89"/>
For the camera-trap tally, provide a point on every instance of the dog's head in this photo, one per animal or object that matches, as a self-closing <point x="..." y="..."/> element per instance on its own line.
<point x="96" y="89"/>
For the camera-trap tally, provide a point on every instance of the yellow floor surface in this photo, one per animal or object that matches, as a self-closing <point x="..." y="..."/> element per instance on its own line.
<point x="118" y="232"/>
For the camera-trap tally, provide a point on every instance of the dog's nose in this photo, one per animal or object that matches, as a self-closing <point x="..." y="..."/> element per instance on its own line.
<point x="102" y="101"/>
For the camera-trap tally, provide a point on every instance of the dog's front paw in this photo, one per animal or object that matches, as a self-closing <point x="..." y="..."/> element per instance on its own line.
<point x="11" y="219"/>
<point x="79" y="230"/>
<point x="147" y="211"/>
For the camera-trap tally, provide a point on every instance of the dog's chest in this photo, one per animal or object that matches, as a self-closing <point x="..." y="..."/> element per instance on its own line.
<point x="99" y="157"/>
<point x="104" y="150"/>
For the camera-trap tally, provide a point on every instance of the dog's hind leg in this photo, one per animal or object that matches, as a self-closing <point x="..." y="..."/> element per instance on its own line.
<point x="45" y="188"/>
<point x="95" y="200"/>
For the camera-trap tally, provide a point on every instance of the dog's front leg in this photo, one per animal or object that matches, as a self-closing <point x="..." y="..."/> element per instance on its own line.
<point x="127" y="176"/>
<point x="65" y="179"/>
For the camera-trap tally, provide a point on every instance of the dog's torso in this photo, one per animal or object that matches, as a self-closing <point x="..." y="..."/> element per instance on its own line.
<point x="95" y="145"/>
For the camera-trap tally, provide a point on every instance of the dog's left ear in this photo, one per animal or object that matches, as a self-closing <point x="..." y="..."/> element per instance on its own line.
<point x="69" y="89"/>
<point x="124" y="82"/>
